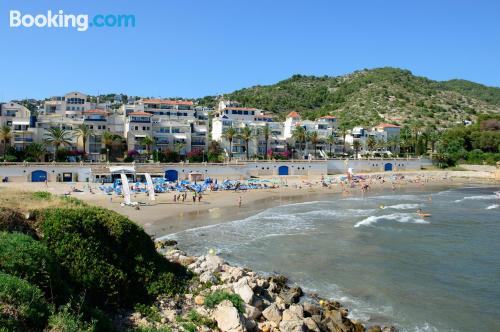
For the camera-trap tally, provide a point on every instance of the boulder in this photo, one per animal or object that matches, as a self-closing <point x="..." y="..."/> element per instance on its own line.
<point x="227" y="317"/>
<point x="294" y="312"/>
<point x="242" y="288"/>
<point x="212" y="263"/>
<point x="208" y="277"/>
<point x="334" y="315"/>
<point x="310" y="309"/>
<point x="252" y="312"/>
<point x="291" y="295"/>
<point x="199" y="300"/>
<point x="272" y="313"/>
<point x="311" y="324"/>
<point x="292" y="326"/>
<point x="389" y="329"/>
<point x="374" y="328"/>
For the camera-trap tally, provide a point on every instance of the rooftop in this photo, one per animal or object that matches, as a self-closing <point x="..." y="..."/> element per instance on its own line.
<point x="168" y="102"/>
<point x="141" y="113"/>
<point x="293" y="115"/>
<point x="387" y="125"/>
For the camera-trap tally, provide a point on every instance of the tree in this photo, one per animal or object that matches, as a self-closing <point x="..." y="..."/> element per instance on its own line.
<point x="313" y="137"/>
<point x="36" y="151"/>
<point x="381" y="144"/>
<point x="84" y="132"/>
<point x="5" y="137"/>
<point x="108" y="139"/>
<point x="343" y="132"/>
<point x="246" y="135"/>
<point x="178" y="146"/>
<point x="433" y="138"/>
<point x="393" y="142"/>
<point x="148" y="142"/>
<point x="299" y="134"/>
<point x="415" y="129"/>
<point x="371" y="143"/>
<point x="57" y="137"/>
<point x="330" y="140"/>
<point x="266" y="132"/>
<point x="405" y="139"/>
<point x="356" y="145"/>
<point x="229" y="135"/>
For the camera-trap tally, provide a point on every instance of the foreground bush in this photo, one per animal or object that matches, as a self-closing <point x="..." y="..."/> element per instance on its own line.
<point x="108" y="257"/>
<point x="22" y="306"/>
<point x="218" y="296"/>
<point x="29" y="259"/>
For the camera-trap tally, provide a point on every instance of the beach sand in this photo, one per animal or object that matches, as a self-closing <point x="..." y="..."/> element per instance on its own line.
<point x="164" y="216"/>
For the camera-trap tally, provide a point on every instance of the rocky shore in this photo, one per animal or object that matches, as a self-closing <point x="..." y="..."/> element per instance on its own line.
<point x="234" y="299"/>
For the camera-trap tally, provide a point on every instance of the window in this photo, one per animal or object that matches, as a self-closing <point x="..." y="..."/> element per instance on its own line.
<point x="245" y="112"/>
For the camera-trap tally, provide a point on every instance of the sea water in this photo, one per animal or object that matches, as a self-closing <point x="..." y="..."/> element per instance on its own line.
<point x="377" y="256"/>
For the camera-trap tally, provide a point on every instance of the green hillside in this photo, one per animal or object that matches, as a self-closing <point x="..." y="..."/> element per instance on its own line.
<point x="371" y="96"/>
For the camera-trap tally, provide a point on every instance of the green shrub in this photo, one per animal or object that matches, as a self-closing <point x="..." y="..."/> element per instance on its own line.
<point x="151" y="329"/>
<point x="106" y="255"/>
<point x="166" y="283"/>
<point x="42" y="195"/>
<point x="194" y="317"/>
<point x="67" y="321"/>
<point x="22" y="306"/>
<point x="26" y="258"/>
<point x="151" y="312"/>
<point x="189" y="327"/>
<point x="218" y="296"/>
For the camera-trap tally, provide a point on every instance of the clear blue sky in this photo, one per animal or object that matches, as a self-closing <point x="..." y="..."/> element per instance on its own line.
<point x="194" y="48"/>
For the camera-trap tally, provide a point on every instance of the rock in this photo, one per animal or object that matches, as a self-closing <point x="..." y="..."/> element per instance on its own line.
<point x="252" y="312"/>
<point x="292" y="326"/>
<point x="199" y="300"/>
<point x="243" y="290"/>
<point x="227" y="317"/>
<point x="311" y="324"/>
<point x="212" y="263"/>
<point x="272" y="313"/>
<point x="262" y="283"/>
<point x="330" y="325"/>
<point x="310" y="309"/>
<point x="264" y="326"/>
<point x="389" y="329"/>
<point x="291" y="295"/>
<point x="375" y="328"/>
<point x="186" y="260"/>
<point x="208" y="277"/>
<point x="334" y="315"/>
<point x="295" y="312"/>
<point x="250" y="324"/>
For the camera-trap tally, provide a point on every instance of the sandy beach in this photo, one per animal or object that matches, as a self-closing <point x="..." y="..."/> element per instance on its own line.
<point x="164" y="216"/>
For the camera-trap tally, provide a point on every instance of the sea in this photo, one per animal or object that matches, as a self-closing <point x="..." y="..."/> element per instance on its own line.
<point x="377" y="256"/>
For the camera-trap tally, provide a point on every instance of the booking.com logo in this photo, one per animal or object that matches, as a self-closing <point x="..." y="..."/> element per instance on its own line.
<point x="80" y="22"/>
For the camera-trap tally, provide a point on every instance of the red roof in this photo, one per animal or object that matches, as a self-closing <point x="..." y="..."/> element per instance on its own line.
<point x="96" y="111"/>
<point x="168" y="102"/>
<point x="328" y="117"/>
<point x="293" y="115"/>
<point x="387" y="125"/>
<point x="241" y="108"/>
<point x="140" y="113"/>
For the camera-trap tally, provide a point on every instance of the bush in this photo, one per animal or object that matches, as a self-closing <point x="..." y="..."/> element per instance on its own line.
<point x="28" y="259"/>
<point x="14" y="221"/>
<point x="218" y="296"/>
<point x="22" y="306"/>
<point x="67" y="321"/>
<point x="42" y="195"/>
<point x="106" y="255"/>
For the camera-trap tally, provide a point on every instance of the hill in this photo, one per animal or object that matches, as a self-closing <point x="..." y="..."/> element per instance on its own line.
<point x="371" y="96"/>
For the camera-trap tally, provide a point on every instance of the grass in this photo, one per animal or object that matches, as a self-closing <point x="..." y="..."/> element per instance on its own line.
<point x="150" y="312"/>
<point x="218" y="296"/>
<point x="26" y="201"/>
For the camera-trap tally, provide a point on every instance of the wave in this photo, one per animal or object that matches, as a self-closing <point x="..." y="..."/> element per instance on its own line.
<point x="494" y="206"/>
<point x="403" y="206"/>
<point x="336" y="213"/>
<point x="478" y="197"/>
<point x="400" y="197"/>
<point x="398" y="217"/>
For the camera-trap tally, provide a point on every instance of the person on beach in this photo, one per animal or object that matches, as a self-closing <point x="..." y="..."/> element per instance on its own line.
<point x="175" y="198"/>
<point x="240" y="201"/>
<point x="194" y="197"/>
<point x="199" y="198"/>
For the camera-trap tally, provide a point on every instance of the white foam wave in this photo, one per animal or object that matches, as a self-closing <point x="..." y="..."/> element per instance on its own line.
<point x="398" y="217"/>
<point x="403" y="206"/>
<point x="399" y="197"/>
<point x="336" y="213"/>
<point x="494" y="206"/>
<point x="478" y="197"/>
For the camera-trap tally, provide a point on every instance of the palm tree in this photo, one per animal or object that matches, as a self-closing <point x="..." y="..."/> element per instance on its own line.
<point x="84" y="132"/>
<point x="415" y="129"/>
<point x="330" y="140"/>
<point x="57" y="137"/>
<point x="36" y="150"/>
<point x="108" y="139"/>
<point x="300" y="135"/>
<point x="393" y="142"/>
<point x="178" y="146"/>
<point x="405" y="139"/>
<point x="266" y="132"/>
<point x="229" y="135"/>
<point x="371" y="143"/>
<point x="148" y="142"/>
<point x="434" y="138"/>
<point x="343" y="133"/>
<point x="381" y="144"/>
<point x="246" y="135"/>
<point x="356" y="145"/>
<point x="5" y="136"/>
<point x="313" y="137"/>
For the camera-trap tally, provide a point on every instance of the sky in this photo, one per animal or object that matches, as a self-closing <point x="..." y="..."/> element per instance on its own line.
<point x="191" y="48"/>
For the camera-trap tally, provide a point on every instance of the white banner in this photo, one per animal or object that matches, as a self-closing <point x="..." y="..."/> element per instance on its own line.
<point x="151" y="189"/>
<point x="125" y="188"/>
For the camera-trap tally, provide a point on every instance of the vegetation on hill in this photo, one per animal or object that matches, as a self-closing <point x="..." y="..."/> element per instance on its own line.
<point x="75" y="265"/>
<point x="368" y="97"/>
